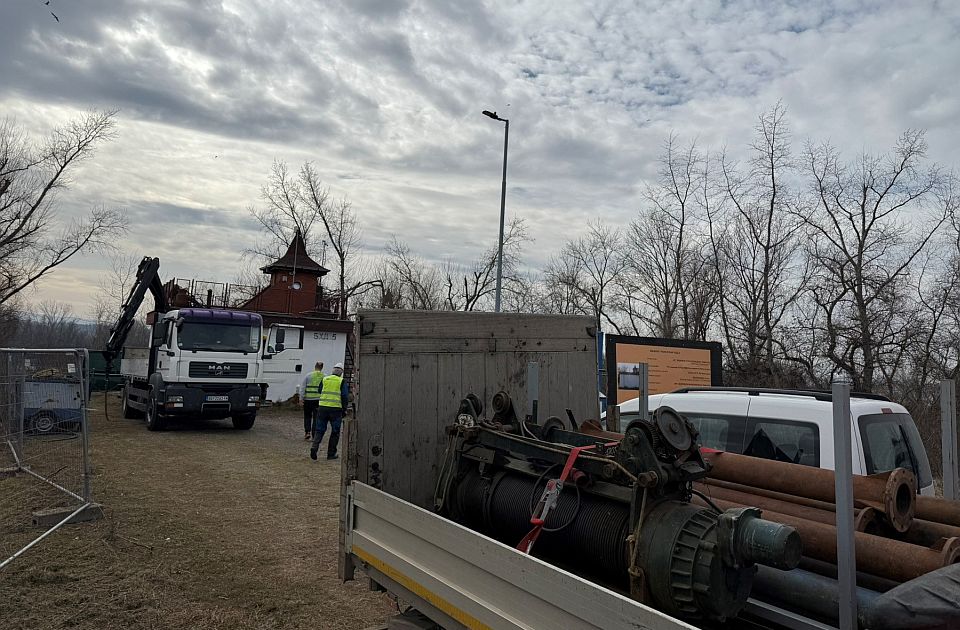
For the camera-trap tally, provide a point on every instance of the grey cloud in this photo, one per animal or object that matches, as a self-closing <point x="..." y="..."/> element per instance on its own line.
<point x="183" y="216"/>
<point x="386" y="96"/>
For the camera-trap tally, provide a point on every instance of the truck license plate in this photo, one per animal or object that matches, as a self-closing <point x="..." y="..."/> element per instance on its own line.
<point x="218" y="398"/>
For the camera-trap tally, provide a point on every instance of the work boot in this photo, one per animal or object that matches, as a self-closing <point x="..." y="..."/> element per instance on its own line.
<point x="313" y="453"/>
<point x="334" y="456"/>
<point x="307" y="436"/>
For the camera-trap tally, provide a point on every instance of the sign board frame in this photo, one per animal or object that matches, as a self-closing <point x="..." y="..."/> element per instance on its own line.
<point x="612" y="341"/>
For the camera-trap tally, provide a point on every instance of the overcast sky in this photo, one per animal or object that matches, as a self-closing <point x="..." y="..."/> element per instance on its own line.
<point x="385" y="98"/>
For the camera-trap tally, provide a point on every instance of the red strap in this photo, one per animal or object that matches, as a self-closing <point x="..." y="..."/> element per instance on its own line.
<point x="538" y="520"/>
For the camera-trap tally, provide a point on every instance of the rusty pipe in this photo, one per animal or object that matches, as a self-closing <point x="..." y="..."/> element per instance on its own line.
<point x="896" y="494"/>
<point x="927" y="533"/>
<point x="763" y="492"/>
<point x="921" y="532"/>
<point x="866" y="518"/>
<point x="884" y="557"/>
<point x="939" y="510"/>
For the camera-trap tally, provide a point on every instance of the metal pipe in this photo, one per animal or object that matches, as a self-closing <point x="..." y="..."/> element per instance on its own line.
<point x="829" y="569"/>
<point x="884" y="557"/>
<point x="44" y="535"/>
<point x="805" y="592"/>
<point x="921" y="532"/>
<point x="895" y="493"/>
<point x="939" y="510"/>
<point x="52" y="483"/>
<point x="866" y="518"/>
<point x="927" y="533"/>
<point x="762" y="492"/>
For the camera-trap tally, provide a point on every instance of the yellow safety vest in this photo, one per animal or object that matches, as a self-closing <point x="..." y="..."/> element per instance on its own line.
<point x="330" y="391"/>
<point x="312" y="390"/>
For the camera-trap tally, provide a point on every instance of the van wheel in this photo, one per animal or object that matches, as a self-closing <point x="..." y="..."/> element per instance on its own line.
<point x="127" y="410"/>
<point x="244" y="421"/>
<point x="155" y="421"/>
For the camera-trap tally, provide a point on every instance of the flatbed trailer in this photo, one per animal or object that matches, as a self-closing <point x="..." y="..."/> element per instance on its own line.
<point x="414" y="370"/>
<point x="463" y="580"/>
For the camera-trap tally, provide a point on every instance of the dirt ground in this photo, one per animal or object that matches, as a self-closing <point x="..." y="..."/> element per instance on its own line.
<point x="206" y="527"/>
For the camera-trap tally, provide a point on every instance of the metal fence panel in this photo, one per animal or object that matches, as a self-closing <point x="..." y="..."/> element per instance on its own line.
<point x="44" y="445"/>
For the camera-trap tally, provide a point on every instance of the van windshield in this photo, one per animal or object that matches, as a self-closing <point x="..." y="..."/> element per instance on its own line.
<point x="891" y="440"/>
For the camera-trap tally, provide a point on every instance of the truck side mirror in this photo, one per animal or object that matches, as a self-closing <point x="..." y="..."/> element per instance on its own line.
<point x="279" y="347"/>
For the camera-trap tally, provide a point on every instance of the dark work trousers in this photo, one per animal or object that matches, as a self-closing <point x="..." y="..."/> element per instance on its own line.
<point x="334" y="417"/>
<point x="309" y="414"/>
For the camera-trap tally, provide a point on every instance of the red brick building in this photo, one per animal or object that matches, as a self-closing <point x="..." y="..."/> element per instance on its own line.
<point x="295" y="286"/>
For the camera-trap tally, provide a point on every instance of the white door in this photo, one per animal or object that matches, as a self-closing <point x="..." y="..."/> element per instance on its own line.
<point x="284" y="369"/>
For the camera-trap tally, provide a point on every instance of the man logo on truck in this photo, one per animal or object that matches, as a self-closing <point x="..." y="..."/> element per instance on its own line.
<point x="218" y="369"/>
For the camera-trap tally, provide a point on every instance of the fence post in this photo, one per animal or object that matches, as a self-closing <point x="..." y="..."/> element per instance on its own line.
<point x="17" y="371"/>
<point x="83" y="365"/>
<point x="843" y="487"/>
<point x="948" y="439"/>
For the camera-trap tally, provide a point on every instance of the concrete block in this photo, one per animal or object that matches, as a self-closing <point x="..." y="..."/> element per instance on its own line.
<point x="49" y="518"/>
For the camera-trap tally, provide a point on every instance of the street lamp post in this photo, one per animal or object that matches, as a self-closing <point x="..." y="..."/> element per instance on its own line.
<point x="503" y="201"/>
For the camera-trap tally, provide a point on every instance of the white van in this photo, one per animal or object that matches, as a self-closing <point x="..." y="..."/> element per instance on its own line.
<point x="797" y="426"/>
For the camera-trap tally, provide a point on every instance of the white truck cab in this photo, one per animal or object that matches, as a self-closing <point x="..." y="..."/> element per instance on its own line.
<point x="797" y="426"/>
<point x="201" y="363"/>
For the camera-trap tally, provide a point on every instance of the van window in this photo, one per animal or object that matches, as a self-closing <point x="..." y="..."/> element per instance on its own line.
<point x="724" y="433"/>
<point x="783" y="440"/>
<point x="891" y="440"/>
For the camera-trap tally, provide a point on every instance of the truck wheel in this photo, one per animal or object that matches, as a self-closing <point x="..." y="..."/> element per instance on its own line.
<point x="244" y="421"/>
<point x="128" y="411"/>
<point x="155" y="421"/>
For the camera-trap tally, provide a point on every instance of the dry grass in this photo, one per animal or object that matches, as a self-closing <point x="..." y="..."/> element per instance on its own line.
<point x="206" y="527"/>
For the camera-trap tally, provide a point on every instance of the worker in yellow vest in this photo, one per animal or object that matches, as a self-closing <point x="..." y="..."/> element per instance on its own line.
<point x="333" y="400"/>
<point x="310" y="399"/>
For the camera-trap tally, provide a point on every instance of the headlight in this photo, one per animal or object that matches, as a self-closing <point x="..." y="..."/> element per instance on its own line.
<point x="174" y="399"/>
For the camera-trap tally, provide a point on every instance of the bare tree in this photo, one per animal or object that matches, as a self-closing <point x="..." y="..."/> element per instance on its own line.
<point x="667" y="287"/>
<point x="114" y="287"/>
<point x="416" y="283"/>
<point x="285" y="213"/>
<point x="342" y="231"/>
<point x="589" y="268"/>
<point x="420" y="285"/>
<point x="51" y="324"/>
<point x="865" y="248"/>
<point x="756" y="237"/>
<point x="470" y="288"/>
<point x="562" y="278"/>
<point x="32" y="177"/>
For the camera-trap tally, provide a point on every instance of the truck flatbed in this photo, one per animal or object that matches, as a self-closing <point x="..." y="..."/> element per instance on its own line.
<point x="473" y="582"/>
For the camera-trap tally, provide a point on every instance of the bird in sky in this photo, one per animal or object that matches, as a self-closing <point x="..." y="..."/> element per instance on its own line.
<point x="55" y="16"/>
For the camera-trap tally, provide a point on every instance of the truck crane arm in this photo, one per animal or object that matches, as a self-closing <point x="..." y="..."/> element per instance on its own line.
<point x="148" y="279"/>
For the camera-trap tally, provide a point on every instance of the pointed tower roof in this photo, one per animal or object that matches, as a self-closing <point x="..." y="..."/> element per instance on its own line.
<point x="297" y="259"/>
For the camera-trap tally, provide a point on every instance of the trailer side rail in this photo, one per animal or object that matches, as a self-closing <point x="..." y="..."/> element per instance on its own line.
<point x="462" y="579"/>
